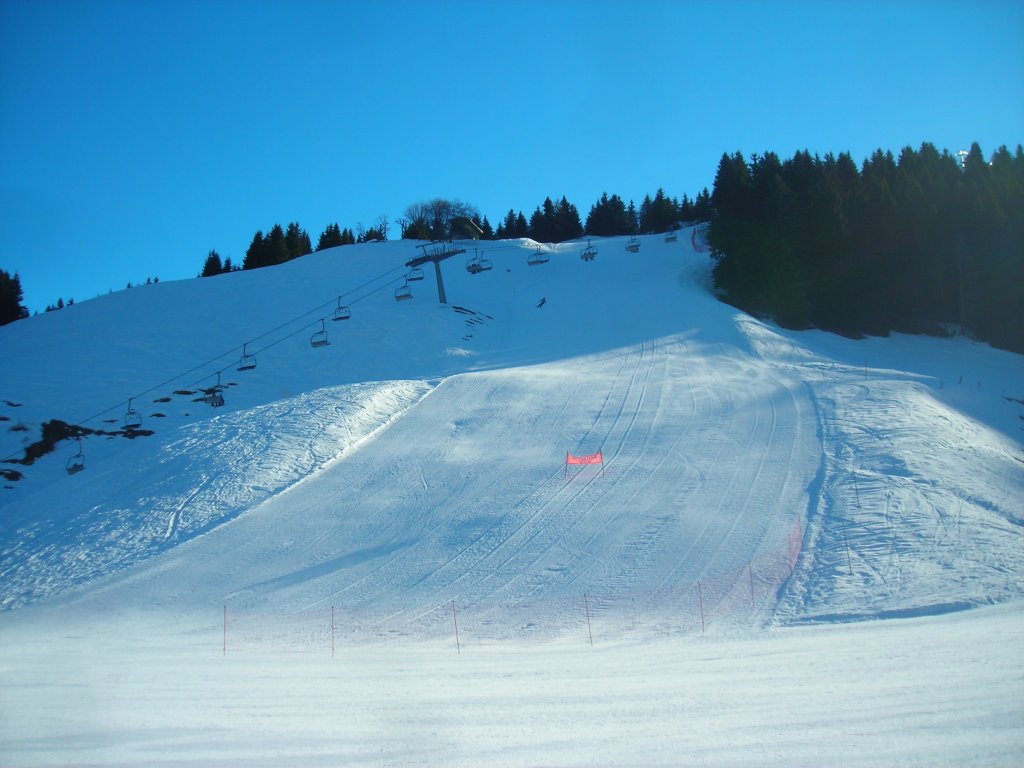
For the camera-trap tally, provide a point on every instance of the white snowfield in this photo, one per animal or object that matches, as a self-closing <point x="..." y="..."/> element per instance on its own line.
<point x="798" y="550"/>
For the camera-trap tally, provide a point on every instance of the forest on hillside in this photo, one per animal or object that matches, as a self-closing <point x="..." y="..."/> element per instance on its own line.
<point x="925" y="242"/>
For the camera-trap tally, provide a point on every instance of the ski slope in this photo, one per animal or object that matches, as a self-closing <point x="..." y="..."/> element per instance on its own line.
<point x="408" y="481"/>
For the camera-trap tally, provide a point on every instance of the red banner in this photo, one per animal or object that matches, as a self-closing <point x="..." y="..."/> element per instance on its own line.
<point x="594" y="458"/>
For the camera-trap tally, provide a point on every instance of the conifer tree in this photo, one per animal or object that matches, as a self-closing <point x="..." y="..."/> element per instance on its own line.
<point x="488" y="231"/>
<point x="659" y="214"/>
<point x="296" y="242"/>
<point x="212" y="266"/>
<point x="687" y="210"/>
<point x="507" y="226"/>
<point x="11" y="296"/>
<point x="609" y="217"/>
<point x="703" y="209"/>
<point x="329" y="238"/>
<point x="542" y="222"/>
<point x="255" y="256"/>
<point x="567" y="221"/>
<point x="521" y="228"/>
<point x="275" y="246"/>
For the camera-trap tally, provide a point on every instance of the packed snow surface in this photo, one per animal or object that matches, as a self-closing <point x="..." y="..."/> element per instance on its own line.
<point x="798" y="548"/>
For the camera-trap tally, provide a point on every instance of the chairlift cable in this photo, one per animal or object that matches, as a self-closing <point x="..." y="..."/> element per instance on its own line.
<point x="231" y="351"/>
<point x="307" y="326"/>
<point x="263" y="335"/>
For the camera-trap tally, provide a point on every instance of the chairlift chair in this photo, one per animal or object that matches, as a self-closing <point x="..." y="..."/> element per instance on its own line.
<point x="404" y="292"/>
<point x="132" y="419"/>
<point x="342" y="312"/>
<point x="416" y="273"/>
<point x="247" y="362"/>
<point x="589" y="253"/>
<point x="214" y="396"/>
<point x="478" y="264"/>
<point x="633" y="245"/>
<point x="319" y="339"/>
<point x="77" y="462"/>
<point x="537" y="257"/>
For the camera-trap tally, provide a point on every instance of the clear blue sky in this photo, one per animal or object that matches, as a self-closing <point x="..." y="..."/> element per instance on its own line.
<point x="136" y="136"/>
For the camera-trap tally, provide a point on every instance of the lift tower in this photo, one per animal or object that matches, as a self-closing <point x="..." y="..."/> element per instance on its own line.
<point x="436" y="252"/>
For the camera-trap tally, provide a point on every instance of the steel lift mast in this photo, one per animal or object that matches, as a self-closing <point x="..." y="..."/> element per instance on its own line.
<point x="436" y="253"/>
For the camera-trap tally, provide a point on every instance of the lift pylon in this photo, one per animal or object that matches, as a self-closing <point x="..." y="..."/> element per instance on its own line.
<point x="436" y="253"/>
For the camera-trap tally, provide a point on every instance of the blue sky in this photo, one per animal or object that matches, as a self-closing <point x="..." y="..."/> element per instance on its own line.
<point x="136" y="136"/>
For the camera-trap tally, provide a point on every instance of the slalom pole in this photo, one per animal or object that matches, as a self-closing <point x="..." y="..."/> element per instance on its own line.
<point x="455" y="621"/>
<point x="700" y="597"/>
<point x="750" y="571"/>
<point x="586" y="608"/>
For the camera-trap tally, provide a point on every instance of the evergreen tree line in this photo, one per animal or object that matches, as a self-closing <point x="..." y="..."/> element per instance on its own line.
<point x="59" y="305"/>
<point x="926" y="242"/>
<point x="280" y="245"/>
<point x="443" y="219"/>
<point x="608" y="217"/>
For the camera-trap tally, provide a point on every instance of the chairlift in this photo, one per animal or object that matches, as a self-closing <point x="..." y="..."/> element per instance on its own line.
<point x="132" y="419"/>
<point x="537" y="257"/>
<point x="404" y="292"/>
<point x="478" y="264"/>
<point x="416" y="273"/>
<point x="214" y="396"/>
<point x="319" y="339"/>
<point x="633" y="245"/>
<point x="589" y="253"/>
<point x="77" y="462"/>
<point x="342" y="312"/>
<point x="247" y="362"/>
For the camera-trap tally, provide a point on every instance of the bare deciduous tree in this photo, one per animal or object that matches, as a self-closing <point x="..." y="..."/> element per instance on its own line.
<point x="433" y="219"/>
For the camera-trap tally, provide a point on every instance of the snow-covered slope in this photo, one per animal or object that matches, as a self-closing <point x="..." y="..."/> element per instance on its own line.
<point x="423" y="449"/>
<point x="410" y="476"/>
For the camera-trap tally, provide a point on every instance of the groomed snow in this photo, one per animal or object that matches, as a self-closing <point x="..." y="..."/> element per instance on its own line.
<point x="781" y="560"/>
<point x="941" y="691"/>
